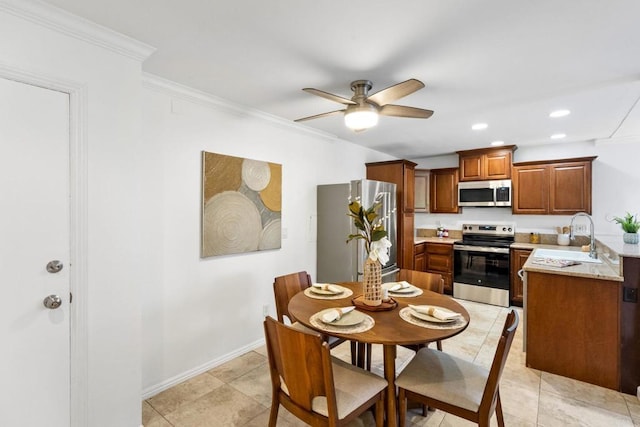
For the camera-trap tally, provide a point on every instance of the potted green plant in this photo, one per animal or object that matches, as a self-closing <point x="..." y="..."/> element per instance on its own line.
<point x="630" y="226"/>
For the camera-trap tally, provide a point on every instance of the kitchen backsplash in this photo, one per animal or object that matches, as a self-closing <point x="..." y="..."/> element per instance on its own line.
<point x="432" y="232"/>
<point x="551" y="239"/>
<point x="545" y="238"/>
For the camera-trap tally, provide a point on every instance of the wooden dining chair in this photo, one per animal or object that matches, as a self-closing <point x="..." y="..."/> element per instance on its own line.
<point x="427" y="281"/>
<point x="284" y="288"/>
<point x="454" y="385"/>
<point x="319" y="389"/>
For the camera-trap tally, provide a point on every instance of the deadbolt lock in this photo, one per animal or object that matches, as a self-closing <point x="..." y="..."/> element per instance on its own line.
<point x="54" y="266"/>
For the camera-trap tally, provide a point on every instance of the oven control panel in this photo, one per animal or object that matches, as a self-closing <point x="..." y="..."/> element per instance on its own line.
<point x="490" y="229"/>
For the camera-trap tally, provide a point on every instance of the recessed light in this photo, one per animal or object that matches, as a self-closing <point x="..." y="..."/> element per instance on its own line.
<point x="479" y="126"/>
<point x="558" y="135"/>
<point x="495" y="143"/>
<point x="559" y="113"/>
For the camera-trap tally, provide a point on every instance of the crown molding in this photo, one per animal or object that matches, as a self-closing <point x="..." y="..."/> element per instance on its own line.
<point x="66" y="23"/>
<point x="196" y="96"/>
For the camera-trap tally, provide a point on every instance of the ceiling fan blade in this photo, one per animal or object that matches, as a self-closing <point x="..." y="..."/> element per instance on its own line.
<point x="329" y="96"/>
<point x="317" y="116"/>
<point x="403" y="111"/>
<point x="395" y="92"/>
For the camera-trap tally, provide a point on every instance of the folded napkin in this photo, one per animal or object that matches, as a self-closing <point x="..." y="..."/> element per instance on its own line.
<point x="336" y="313"/>
<point x="328" y="287"/>
<point x="435" y="312"/>
<point x="399" y="286"/>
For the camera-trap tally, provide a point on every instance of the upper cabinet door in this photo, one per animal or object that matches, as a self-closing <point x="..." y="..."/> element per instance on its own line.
<point x="471" y="168"/>
<point x="498" y="165"/>
<point x="443" y="191"/>
<point x="570" y="188"/>
<point x="421" y="186"/>
<point x="530" y="190"/>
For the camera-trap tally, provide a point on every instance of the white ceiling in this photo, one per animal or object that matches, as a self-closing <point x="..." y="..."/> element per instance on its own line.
<point x="504" y="62"/>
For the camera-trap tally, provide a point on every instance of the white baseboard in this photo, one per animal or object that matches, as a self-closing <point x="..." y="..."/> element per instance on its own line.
<point x="177" y="379"/>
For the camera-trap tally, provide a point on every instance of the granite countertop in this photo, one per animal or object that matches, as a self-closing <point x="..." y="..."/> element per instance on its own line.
<point x="446" y="240"/>
<point x="615" y="245"/>
<point x="607" y="270"/>
<point x="610" y="249"/>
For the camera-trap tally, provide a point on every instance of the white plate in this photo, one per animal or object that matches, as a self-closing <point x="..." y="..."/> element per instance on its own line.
<point x="406" y="290"/>
<point x="352" y="318"/>
<point x="319" y="291"/>
<point x="432" y="319"/>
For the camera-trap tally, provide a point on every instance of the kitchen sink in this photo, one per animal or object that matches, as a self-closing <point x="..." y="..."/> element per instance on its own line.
<point x="568" y="255"/>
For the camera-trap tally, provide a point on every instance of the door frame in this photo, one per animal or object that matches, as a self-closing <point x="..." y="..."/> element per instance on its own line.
<point x="78" y="241"/>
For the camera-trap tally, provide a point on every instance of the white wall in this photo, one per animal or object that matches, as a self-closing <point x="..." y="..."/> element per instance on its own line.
<point x="615" y="184"/>
<point x="198" y="313"/>
<point x="110" y="296"/>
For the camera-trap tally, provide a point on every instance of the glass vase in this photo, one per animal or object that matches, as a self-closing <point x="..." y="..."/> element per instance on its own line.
<point x="372" y="282"/>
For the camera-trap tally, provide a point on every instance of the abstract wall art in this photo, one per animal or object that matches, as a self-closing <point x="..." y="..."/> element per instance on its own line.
<point x="241" y="205"/>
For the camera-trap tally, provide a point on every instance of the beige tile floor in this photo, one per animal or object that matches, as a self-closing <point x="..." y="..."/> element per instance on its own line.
<point x="238" y="392"/>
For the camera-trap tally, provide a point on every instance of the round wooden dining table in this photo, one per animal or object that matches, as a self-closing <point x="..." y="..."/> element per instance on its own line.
<point x="389" y="328"/>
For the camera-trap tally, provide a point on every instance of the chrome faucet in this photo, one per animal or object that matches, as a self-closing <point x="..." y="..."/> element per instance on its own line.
<point x="592" y="245"/>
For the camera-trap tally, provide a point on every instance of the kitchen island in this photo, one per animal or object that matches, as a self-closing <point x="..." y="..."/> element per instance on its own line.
<point x="574" y="319"/>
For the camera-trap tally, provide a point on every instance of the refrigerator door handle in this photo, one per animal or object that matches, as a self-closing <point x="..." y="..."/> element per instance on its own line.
<point x="394" y="271"/>
<point x="385" y="273"/>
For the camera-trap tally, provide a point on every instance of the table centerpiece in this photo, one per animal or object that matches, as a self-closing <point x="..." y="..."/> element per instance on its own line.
<point x="371" y="231"/>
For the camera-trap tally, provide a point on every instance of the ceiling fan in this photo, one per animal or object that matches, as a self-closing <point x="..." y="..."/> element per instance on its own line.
<point x="362" y="109"/>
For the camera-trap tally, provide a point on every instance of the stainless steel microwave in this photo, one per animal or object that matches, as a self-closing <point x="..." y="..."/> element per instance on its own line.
<point x="485" y="193"/>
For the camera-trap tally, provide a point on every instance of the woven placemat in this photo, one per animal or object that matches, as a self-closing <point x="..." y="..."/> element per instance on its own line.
<point x="365" y="325"/>
<point x="347" y="293"/>
<point x="405" y="314"/>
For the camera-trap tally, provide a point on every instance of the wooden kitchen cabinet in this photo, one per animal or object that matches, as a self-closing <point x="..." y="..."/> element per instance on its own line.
<point x="518" y="258"/>
<point x="443" y="191"/>
<point x="401" y="173"/>
<point x="420" y="257"/>
<point x="529" y="192"/>
<point x="572" y="327"/>
<point x="439" y="259"/>
<point x="421" y="187"/>
<point x="570" y="187"/>
<point x="630" y="327"/>
<point x="558" y="187"/>
<point x="486" y="163"/>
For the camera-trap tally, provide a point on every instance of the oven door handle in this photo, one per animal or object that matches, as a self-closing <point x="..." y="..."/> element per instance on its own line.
<point x="480" y="249"/>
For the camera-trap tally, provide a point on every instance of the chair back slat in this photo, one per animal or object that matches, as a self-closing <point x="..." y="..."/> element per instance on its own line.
<point x="299" y="359"/>
<point x="285" y="287"/>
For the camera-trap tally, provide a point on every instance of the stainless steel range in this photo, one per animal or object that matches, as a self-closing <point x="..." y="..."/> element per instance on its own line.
<point x="481" y="263"/>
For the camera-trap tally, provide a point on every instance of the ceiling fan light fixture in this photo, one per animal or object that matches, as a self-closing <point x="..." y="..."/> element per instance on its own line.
<point x="361" y="117"/>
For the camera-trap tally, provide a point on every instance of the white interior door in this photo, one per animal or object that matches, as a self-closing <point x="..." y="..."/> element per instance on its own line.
<point x="34" y="230"/>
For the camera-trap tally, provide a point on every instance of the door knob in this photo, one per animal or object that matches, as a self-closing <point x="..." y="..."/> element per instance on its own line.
<point x="52" y="302"/>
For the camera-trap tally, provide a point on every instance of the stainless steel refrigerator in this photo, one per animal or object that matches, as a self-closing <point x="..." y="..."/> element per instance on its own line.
<point x="338" y="261"/>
